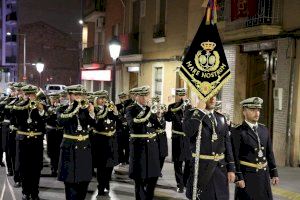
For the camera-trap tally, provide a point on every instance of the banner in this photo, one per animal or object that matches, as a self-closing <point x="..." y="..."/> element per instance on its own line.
<point x="243" y="8"/>
<point x="205" y="67"/>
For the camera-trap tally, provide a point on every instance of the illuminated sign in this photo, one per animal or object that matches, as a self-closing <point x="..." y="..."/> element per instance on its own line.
<point x="96" y="75"/>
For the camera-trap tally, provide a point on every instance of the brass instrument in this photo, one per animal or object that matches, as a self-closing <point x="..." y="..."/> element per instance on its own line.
<point x="84" y="103"/>
<point x="52" y="110"/>
<point x="41" y="98"/>
<point x="154" y="108"/>
<point x="163" y="108"/>
<point x="110" y="106"/>
<point x="33" y="104"/>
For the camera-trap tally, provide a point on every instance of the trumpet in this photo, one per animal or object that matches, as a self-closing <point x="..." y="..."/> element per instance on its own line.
<point x="110" y="106"/>
<point x="163" y="108"/>
<point x="158" y="108"/>
<point x="33" y="104"/>
<point x="154" y="108"/>
<point x="84" y="103"/>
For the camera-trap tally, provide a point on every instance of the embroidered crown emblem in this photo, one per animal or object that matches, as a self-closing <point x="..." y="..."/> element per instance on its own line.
<point x="208" y="46"/>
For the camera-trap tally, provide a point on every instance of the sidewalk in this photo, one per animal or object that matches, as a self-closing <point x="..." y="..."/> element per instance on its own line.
<point x="122" y="188"/>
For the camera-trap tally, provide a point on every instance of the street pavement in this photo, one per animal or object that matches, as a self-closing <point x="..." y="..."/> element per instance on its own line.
<point x="122" y="188"/>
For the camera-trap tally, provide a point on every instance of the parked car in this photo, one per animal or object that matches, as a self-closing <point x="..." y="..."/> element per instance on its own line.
<point x="53" y="88"/>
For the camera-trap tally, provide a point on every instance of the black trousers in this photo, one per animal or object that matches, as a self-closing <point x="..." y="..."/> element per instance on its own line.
<point x="180" y="174"/>
<point x="161" y="162"/>
<point x="1" y="146"/>
<point x="54" y="138"/>
<point x="5" y="145"/>
<point x="103" y="178"/>
<point x="144" y="188"/>
<point x="10" y="152"/>
<point x="123" y="146"/>
<point x="30" y="156"/>
<point x="76" y="191"/>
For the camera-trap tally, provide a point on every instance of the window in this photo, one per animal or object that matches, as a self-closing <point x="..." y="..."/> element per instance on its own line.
<point x="159" y="27"/>
<point x="162" y="11"/>
<point x="158" y="75"/>
<point x="143" y="8"/>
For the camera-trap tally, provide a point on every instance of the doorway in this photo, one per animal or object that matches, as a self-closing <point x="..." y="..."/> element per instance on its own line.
<point x="260" y="83"/>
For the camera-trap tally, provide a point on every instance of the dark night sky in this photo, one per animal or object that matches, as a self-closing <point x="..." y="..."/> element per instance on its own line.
<point x="62" y="14"/>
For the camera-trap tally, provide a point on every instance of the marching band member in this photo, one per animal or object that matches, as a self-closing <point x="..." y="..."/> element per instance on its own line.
<point x="144" y="166"/>
<point x="54" y="132"/>
<point x="105" y="150"/>
<point x="75" y="162"/>
<point x="209" y="179"/>
<point x="29" y="115"/>
<point x="180" y="142"/>
<point x="159" y="110"/>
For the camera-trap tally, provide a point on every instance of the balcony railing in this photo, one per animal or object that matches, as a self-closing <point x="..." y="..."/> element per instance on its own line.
<point x="93" y="5"/>
<point x="129" y="44"/>
<point x="265" y="12"/>
<point x="159" y="30"/>
<point x="11" y="38"/>
<point x="11" y="59"/>
<point x="93" y="54"/>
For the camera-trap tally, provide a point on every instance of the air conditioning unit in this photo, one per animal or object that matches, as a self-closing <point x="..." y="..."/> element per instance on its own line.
<point x="100" y="22"/>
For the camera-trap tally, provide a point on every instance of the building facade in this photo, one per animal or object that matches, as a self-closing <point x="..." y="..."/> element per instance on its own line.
<point x="9" y="34"/>
<point x="261" y="43"/>
<point x="102" y="20"/>
<point x="56" y="49"/>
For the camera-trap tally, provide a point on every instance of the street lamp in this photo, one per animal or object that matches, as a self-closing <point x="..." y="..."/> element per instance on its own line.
<point x="24" y="53"/>
<point x="114" y="50"/>
<point x="40" y="68"/>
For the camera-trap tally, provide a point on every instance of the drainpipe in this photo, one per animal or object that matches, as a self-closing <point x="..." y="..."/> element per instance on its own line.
<point x="291" y="96"/>
<point x="124" y="21"/>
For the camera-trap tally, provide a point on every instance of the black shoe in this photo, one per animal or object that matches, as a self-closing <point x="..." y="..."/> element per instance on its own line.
<point x="2" y="164"/>
<point x="180" y="190"/>
<point x="17" y="184"/>
<point x="102" y="193"/>
<point x="26" y="197"/>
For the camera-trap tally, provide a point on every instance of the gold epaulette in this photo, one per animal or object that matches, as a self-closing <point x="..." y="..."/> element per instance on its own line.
<point x="71" y="114"/>
<point x="141" y="120"/>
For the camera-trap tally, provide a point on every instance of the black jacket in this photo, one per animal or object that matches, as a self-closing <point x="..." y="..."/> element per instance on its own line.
<point x="105" y="149"/>
<point x="245" y="148"/>
<point x="75" y="164"/>
<point x="144" y="154"/>
<point x="212" y="179"/>
<point x="180" y="144"/>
